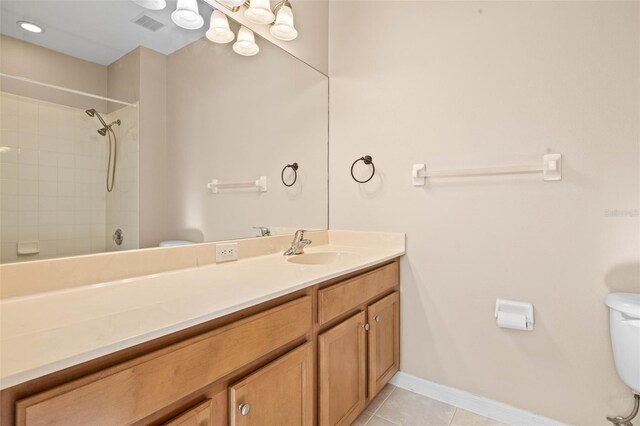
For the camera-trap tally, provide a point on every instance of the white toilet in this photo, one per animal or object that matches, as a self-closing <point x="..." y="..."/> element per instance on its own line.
<point x="175" y="243"/>
<point x="624" y="324"/>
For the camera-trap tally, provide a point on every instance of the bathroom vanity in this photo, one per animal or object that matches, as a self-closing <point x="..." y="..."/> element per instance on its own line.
<point x="317" y="353"/>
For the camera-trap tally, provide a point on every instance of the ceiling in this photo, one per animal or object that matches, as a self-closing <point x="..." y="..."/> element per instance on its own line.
<point x="99" y="31"/>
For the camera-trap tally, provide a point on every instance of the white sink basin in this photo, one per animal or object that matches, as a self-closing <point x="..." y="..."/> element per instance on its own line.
<point x="323" y="258"/>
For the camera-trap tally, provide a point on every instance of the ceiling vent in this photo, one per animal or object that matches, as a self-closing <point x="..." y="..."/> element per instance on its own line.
<point x="147" y="22"/>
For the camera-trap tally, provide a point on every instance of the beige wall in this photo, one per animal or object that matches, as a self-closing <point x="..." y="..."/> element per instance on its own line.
<point x="153" y="156"/>
<point x="459" y="84"/>
<point x="28" y="60"/>
<point x="141" y="75"/>
<point x="123" y="78"/>
<point x="235" y="118"/>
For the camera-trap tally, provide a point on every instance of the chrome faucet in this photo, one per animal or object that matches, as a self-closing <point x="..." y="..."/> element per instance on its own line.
<point x="298" y="244"/>
<point x="264" y="231"/>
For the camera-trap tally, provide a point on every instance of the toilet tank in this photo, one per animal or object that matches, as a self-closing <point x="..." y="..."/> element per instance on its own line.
<point x="624" y="325"/>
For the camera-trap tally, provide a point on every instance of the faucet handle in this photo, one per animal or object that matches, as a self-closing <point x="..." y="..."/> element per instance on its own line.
<point x="264" y="231"/>
<point x="299" y="234"/>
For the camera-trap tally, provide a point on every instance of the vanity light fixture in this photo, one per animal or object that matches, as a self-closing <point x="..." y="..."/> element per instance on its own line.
<point x="187" y="15"/>
<point x="30" y="26"/>
<point x="233" y="5"/>
<point x="259" y="12"/>
<point x="219" y="31"/>
<point x="283" y="28"/>
<point x="151" y="4"/>
<point x="246" y="44"/>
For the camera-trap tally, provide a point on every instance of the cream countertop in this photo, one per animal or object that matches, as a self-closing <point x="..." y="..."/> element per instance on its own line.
<point x="48" y="332"/>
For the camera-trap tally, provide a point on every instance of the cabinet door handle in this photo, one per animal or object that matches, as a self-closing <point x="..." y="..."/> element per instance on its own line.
<point x="365" y="326"/>
<point x="376" y="318"/>
<point x="244" y="409"/>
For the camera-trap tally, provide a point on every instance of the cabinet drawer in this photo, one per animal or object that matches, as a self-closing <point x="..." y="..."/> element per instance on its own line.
<point x="132" y="391"/>
<point x="340" y="298"/>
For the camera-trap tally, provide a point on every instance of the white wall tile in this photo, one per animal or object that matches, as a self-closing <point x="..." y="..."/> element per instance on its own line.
<point x="66" y="160"/>
<point x="8" y="171"/>
<point x="8" y="252"/>
<point x="27" y="203"/>
<point x="28" y="218"/>
<point x="8" y="155"/>
<point x="47" y="203"/>
<point x="9" y="234"/>
<point x="8" y="202"/>
<point x="47" y="232"/>
<point x="66" y="217"/>
<point x="66" y="175"/>
<point x="49" y="188"/>
<point x="8" y="217"/>
<point x="48" y="218"/>
<point x="28" y="156"/>
<point x="52" y="185"/>
<point x="47" y="158"/>
<point x="28" y="140"/>
<point x="8" y="138"/>
<point x="28" y="172"/>
<point x="28" y="187"/>
<point x="9" y="186"/>
<point x="66" y="189"/>
<point x="9" y="105"/>
<point x="48" y="249"/>
<point x="27" y="233"/>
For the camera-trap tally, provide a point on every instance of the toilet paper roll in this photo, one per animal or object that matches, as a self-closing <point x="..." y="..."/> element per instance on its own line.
<point x="509" y="320"/>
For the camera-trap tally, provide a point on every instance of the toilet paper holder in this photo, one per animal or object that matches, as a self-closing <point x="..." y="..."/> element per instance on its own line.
<point x="515" y="315"/>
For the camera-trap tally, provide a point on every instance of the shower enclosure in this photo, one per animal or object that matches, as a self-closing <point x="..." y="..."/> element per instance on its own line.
<point x="69" y="180"/>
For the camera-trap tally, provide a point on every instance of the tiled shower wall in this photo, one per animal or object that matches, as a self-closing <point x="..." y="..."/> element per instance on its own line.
<point x="52" y="179"/>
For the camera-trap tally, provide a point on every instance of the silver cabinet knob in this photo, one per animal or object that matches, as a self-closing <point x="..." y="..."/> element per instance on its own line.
<point x="244" y="409"/>
<point x="376" y="318"/>
<point x="365" y="326"/>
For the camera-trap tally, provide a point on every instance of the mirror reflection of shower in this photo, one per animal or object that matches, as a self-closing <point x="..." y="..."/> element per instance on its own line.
<point x="106" y="130"/>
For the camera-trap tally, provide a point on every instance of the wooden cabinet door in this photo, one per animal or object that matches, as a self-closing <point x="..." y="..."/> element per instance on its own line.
<point x="279" y="394"/>
<point x="384" y="342"/>
<point x="200" y="415"/>
<point x="342" y="371"/>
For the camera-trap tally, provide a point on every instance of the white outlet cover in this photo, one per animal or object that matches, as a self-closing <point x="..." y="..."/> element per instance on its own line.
<point x="226" y="252"/>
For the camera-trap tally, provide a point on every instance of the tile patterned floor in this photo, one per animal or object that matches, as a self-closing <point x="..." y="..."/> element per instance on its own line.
<point x="399" y="407"/>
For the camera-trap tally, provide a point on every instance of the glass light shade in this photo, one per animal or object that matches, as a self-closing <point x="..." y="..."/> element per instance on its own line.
<point x="219" y="31"/>
<point x="283" y="29"/>
<point x="187" y="15"/>
<point x="151" y="4"/>
<point x="259" y="12"/>
<point x="246" y="43"/>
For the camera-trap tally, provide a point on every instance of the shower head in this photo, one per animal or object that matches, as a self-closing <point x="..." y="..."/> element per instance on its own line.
<point x="107" y="128"/>
<point x="93" y="113"/>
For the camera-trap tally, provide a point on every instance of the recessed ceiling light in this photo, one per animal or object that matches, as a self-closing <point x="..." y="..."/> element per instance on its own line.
<point x="30" y="26"/>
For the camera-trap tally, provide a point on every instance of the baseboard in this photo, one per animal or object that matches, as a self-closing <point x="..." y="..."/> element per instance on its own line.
<point x="467" y="401"/>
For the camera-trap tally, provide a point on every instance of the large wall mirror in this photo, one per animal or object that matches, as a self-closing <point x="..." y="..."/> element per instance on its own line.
<point x="120" y="130"/>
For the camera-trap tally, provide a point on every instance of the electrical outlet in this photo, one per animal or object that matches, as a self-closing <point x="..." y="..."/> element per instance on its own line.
<point x="226" y="252"/>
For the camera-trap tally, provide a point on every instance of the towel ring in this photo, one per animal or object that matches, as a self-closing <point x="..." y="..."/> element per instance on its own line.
<point x="368" y="161"/>
<point x="293" y="167"/>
